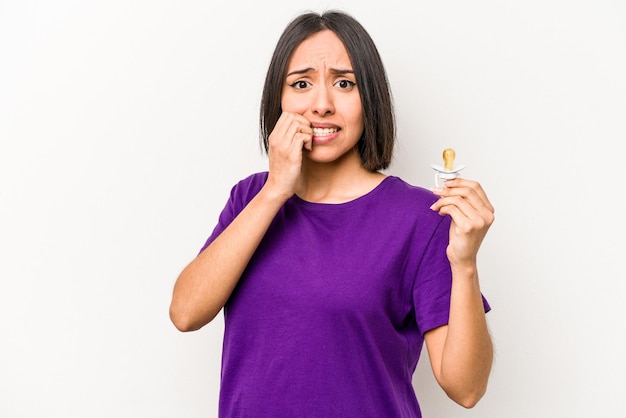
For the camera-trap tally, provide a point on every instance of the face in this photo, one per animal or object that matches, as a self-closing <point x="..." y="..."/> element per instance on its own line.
<point x="321" y="86"/>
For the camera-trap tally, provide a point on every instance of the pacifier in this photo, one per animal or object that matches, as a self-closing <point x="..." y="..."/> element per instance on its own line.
<point x="448" y="171"/>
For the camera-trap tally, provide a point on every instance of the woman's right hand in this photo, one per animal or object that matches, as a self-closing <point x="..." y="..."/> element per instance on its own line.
<point x="206" y="283"/>
<point x="291" y="135"/>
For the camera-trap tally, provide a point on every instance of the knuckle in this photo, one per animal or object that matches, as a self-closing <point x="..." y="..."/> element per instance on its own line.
<point x="457" y="200"/>
<point x="467" y="228"/>
<point x="475" y="185"/>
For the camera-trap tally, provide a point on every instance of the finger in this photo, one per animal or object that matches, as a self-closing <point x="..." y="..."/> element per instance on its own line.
<point x="469" y="190"/>
<point x="463" y="212"/>
<point x="458" y="196"/>
<point x="297" y="122"/>
<point x="284" y="124"/>
<point x="291" y="132"/>
<point x="460" y="222"/>
<point x="472" y="185"/>
<point x="303" y="135"/>
<point x="457" y="205"/>
<point x="302" y="140"/>
<point x="289" y="123"/>
<point x="307" y="142"/>
<point x="473" y="227"/>
<point x="468" y="196"/>
<point x="299" y="130"/>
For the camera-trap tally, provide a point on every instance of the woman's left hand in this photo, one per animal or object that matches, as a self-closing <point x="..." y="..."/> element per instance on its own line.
<point x="472" y="215"/>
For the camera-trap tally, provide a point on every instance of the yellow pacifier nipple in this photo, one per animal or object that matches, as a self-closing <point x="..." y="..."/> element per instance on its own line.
<point x="448" y="159"/>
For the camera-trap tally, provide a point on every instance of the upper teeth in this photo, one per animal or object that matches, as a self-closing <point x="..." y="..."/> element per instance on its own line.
<point x="324" y="131"/>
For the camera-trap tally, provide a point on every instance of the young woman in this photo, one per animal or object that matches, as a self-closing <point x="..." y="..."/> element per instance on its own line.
<point x="331" y="274"/>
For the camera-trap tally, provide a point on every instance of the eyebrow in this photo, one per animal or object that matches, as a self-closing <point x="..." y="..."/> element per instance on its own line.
<point x="336" y="71"/>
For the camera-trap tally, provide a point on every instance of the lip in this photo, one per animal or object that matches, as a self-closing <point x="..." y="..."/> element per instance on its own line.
<point x="326" y="137"/>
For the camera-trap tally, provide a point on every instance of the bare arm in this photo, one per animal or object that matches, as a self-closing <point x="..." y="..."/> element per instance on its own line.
<point x="461" y="353"/>
<point x="206" y="283"/>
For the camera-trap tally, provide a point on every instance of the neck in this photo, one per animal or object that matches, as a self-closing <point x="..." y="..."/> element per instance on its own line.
<point x="336" y="182"/>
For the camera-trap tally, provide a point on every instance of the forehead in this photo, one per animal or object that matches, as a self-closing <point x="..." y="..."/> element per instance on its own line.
<point x="321" y="48"/>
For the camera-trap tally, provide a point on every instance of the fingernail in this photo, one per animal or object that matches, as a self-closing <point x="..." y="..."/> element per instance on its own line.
<point x="437" y="189"/>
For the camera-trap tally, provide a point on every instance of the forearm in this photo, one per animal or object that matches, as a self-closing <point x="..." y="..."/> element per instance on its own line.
<point x="461" y="352"/>
<point x="206" y="283"/>
<point x="467" y="353"/>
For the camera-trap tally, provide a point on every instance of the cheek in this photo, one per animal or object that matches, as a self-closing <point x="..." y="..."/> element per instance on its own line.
<point x="360" y="127"/>
<point x="357" y="115"/>
<point x="289" y="103"/>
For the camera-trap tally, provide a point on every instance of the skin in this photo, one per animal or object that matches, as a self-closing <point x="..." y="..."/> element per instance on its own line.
<point x="320" y="92"/>
<point x="461" y="353"/>
<point x="324" y="167"/>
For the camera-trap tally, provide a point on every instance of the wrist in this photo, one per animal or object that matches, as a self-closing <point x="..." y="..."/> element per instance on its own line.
<point x="273" y="195"/>
<point x="466" y="269"/>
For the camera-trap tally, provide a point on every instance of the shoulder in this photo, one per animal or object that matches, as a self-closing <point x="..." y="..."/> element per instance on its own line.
<point x="401" y="192"/>
<point x="245" y="189"/>
<point x="410" y="203"/>
<point x="250" y="186"/>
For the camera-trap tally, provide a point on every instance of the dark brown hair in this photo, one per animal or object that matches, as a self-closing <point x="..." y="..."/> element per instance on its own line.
<point x="377" y="142"/>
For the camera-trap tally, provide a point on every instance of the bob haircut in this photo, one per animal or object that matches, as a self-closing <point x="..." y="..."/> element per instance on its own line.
<point x="377" y="141"/>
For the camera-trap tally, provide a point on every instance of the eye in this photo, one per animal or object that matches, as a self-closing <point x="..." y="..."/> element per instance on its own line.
<point x="300" y="84"/>
<point x="345" y="84"/>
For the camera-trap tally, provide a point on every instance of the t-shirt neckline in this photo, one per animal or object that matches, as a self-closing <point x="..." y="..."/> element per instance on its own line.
<point x="356" y="201"/>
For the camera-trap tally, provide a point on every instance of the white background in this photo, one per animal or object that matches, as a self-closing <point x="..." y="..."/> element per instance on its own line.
<point x="124" y="124"/>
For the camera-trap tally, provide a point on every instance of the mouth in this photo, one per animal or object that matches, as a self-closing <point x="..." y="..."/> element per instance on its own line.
<point x="322" y="132"/>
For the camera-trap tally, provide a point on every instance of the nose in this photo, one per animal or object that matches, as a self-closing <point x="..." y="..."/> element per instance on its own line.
<point x="322" y="104"/>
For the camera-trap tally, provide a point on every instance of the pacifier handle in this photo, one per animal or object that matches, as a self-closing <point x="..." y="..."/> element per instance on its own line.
<point x="444" y="176"/>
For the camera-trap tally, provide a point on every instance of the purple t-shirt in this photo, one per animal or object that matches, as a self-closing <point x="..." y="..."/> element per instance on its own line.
<point x="329" y="316"/>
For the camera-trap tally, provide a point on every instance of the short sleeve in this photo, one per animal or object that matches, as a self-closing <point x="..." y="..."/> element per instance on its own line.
<point x="433" y="284"/>
<point x="240" y="195"/>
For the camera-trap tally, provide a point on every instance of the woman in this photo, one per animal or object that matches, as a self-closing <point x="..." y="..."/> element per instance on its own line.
<point x="332" y="274"/>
